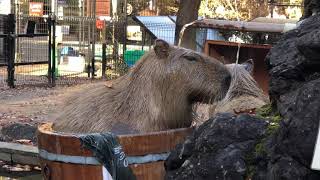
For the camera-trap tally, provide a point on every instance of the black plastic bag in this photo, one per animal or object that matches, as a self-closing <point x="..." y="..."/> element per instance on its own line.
<point x="106" y="148"/>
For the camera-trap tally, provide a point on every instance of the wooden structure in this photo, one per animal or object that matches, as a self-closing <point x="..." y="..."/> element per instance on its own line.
<point x="19" y="153"/>
<point x="103" y="7"/>
<point x="243" y="26"/>
<point x="66" y="149"/>
<point x="226" y="52"/>
<point x="274" y="20"/>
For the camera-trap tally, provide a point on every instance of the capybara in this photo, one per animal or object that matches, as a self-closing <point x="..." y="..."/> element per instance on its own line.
<point x="244" y="94"/>
<point x="156" y="94"/>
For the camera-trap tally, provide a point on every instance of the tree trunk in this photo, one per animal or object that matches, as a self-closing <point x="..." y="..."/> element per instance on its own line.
<point x="310" y="7"/>
<point x="188" y="12"/>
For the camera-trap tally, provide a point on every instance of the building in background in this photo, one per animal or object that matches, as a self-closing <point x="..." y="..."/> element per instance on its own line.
<point x="5" y="7"/>
<point x="103" y="7"/>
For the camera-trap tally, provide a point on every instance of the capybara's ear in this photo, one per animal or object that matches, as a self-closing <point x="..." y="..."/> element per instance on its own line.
<point x="249" y="65"/>
<point x="161" y="48"/>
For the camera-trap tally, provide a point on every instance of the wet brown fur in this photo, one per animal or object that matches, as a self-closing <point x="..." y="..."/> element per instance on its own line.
<point x="157" y="94"/>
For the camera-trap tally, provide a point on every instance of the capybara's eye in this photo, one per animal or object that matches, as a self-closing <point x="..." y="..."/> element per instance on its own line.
<point x="190" y="58"/>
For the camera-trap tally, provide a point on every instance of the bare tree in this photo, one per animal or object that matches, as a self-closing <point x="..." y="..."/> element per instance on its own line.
<point x="188" y="12"/>
<point x="310" y="7"/>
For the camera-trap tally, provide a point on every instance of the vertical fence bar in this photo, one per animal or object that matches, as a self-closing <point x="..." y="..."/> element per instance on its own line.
<point x="104" y="60"/>
<point x="50" y="50"/>
<point x="53" y="75"/>
<point x="11" y="50"/>
<point x="89" y="13"/>
<point x="125" y="27"/>
<point x="94" y="29"/>
<point x="17" y="29"/>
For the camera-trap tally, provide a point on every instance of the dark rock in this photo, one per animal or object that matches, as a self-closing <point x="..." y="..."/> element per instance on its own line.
<point x="309" y="46"/>
<point x="183" y="151"/>
<point x="286" y="168"/>
<point x="298" y="137"/>
<point x="18" y="131"/>
<point x="218" y="149"/>
<point x="294" y="66"/>
<point x="290" y="65"/>
<point x="292" y="146"/>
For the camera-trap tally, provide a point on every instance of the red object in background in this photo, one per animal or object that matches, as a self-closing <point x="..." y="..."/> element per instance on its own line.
<point x="100" y="24"/>
<point x="36" y="9"/>
<point x="102" y="7"/>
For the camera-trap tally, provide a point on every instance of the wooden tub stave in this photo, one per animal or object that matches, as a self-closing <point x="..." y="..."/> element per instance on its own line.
<point x="79" y="163"/>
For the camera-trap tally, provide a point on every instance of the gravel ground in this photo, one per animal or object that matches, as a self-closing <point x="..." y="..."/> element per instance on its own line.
<point x="31" y="104"/>
<point x="24" y="106"/>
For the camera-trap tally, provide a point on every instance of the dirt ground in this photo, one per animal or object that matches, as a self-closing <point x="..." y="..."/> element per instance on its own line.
<point x="31" y="104"/>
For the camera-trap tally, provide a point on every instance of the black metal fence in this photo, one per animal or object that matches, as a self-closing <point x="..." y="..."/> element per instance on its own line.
<point x="24" y="55"/>
<point x="6" y="45"/>
<point x="75" y="41"/>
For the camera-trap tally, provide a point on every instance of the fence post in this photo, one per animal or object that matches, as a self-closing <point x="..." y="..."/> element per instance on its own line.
<point x="125" y="27"/>
<point x="94" y="29"/>
<point x="53" y="71"/>
<point x="104" y="60"/>
<point x="11" y="50"/>
<point x="50" y="51"/>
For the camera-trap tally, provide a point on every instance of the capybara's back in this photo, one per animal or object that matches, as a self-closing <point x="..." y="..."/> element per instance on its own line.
<point x="156" y="94"/>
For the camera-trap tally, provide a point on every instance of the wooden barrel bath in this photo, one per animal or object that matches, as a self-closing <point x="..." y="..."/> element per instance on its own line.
<point x="62" y="156"/>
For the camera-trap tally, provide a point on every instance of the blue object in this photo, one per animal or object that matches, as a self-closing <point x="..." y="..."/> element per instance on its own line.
<point x="161" y="27"/>
<point x="68" y="51"/>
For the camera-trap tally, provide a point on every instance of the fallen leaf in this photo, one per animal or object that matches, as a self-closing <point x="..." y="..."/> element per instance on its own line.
<point x="108" y="84"/>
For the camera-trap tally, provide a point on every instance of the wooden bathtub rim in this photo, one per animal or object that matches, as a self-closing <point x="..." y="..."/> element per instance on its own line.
<point x="69" y="144"/>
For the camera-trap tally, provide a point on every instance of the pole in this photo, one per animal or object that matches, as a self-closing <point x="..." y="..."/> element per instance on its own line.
<point x="125" y="27"/>
<point x="104" y="60"/>
<point x="54" y="51"/>
<point x="50" y="51"/>
<point x="94" y="29"/>
<point x="114" y="43"/>
<point x="11" y="50"/>
<point x="271" y="3"/>
<point x="17" y="18"/>
<point x="82" y="29"/>
<point x="80" y="24"/>
<point x="89" y="3"/>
